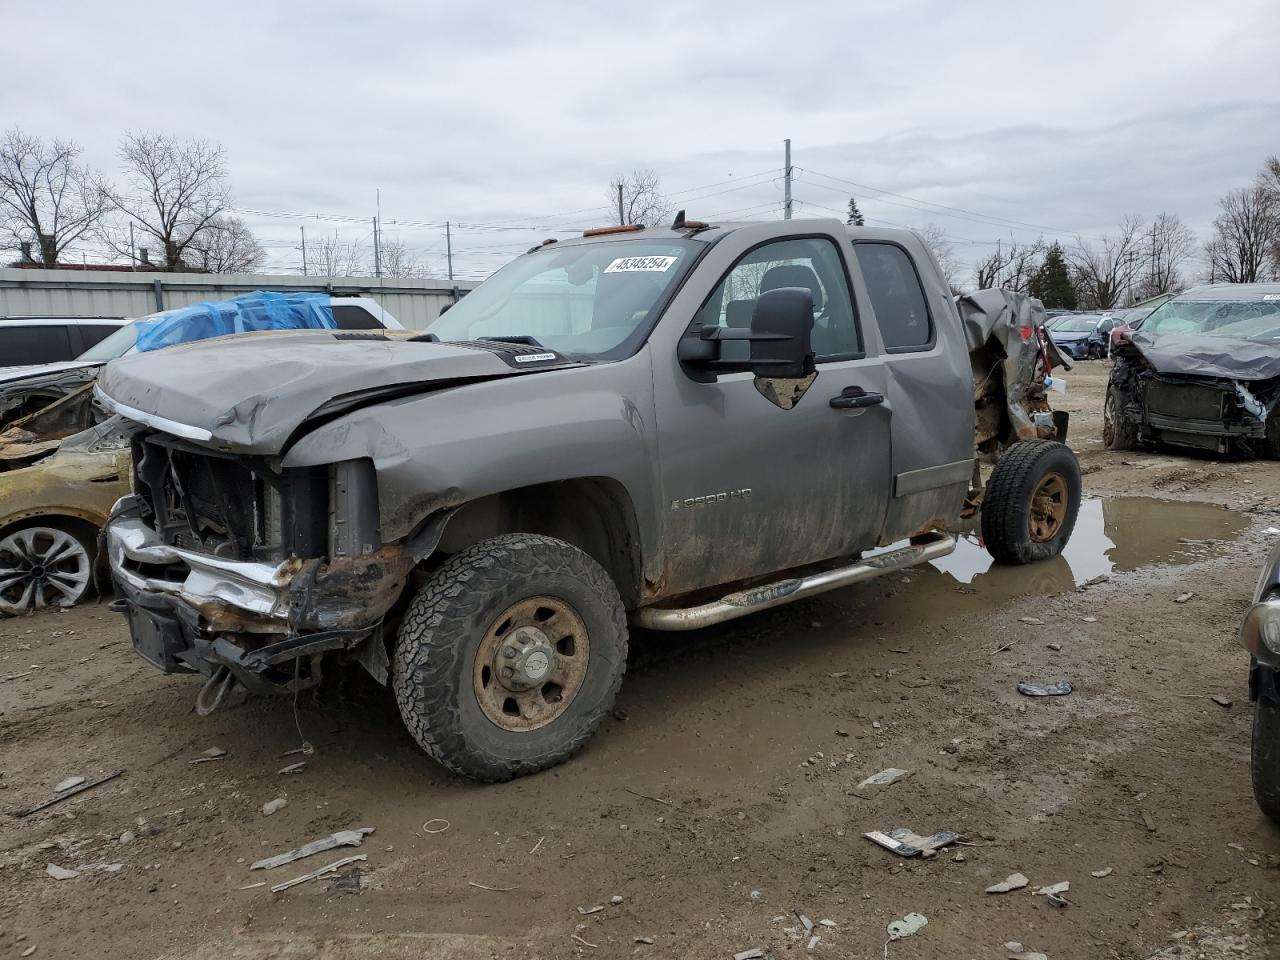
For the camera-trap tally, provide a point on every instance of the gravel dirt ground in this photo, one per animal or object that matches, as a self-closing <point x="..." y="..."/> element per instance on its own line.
<point x="723" y="798"/>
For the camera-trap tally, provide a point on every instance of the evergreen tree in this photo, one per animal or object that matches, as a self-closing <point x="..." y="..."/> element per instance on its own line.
<point x="855" y="215"/>
<point x="1051" y="284"/>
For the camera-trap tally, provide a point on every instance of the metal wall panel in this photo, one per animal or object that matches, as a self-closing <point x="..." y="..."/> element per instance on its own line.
<point x="75" y="293"/>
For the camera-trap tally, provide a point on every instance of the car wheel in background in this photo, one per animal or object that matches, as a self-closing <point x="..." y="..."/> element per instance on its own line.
<point x="1118" y="431"/>
<point x="510" y="656"/>
<point x="1265" y="757"/>
<point x="44" y="564"/>
<point x="1031" y="501"/>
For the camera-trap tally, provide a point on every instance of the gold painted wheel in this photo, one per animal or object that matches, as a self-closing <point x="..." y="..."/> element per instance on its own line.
<point x="1049" y="505"/>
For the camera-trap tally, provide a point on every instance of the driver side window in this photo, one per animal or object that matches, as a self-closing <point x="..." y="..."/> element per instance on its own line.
<point x="814" y="263"/>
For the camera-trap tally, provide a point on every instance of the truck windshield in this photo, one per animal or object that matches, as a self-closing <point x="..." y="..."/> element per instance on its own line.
<point x="1243" y="319"/>
<point x="590" y="300"/>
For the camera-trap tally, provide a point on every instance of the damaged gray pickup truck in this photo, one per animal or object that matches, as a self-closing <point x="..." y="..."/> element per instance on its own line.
<point x="672" y="427"/>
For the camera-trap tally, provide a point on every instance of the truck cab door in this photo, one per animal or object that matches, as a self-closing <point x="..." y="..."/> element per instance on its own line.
<point x="929" y="381"/>
<point x="752" y="485"/>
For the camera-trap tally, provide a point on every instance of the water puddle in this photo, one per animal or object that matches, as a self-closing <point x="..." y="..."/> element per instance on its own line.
<point x="1112" y="535"/>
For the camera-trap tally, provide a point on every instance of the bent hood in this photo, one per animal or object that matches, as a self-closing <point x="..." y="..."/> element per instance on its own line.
<point x="251" y="393"/>
<point x="1227" y="357"/>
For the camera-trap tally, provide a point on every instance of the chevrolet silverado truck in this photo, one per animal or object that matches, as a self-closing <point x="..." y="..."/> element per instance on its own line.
<point x="657" y="428"/>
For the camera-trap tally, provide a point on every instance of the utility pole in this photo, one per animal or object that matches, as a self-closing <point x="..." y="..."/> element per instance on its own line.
<point x="377" y="251"/>
<point x="621" y="220"/>
<point x="304" y="249"/>
<point x="786" y="183"/>
<point x="133" y="251"/>
<point x="448" y="246"/>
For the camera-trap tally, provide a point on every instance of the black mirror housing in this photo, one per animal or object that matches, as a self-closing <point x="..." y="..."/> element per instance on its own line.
<point x="782" y="333"/>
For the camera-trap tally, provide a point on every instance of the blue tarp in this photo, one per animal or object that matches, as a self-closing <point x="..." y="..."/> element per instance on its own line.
<point x="253" y="311"/>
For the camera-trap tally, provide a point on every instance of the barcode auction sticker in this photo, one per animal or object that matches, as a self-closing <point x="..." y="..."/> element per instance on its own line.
<point x="640" y="265"/>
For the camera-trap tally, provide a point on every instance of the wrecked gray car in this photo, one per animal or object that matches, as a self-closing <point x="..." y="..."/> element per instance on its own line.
<point x="1203" y="372"/>
<point x="667" y="427"/>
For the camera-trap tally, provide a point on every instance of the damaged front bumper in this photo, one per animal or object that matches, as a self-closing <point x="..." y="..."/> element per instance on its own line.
<point x="268" y="623"/>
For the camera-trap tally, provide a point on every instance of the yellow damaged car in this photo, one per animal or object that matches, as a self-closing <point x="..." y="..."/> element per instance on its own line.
<point x="57" y="485"/>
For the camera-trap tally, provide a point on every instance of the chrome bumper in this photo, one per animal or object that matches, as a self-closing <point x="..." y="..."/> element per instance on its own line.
<point x="261" y="589"/>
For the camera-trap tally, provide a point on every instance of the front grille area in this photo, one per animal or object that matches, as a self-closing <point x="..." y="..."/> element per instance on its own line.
<point x="1186" y="401"/>
<point x="212" y="504"/>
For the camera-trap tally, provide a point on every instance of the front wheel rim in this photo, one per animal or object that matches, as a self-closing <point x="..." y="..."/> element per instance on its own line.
<point x="530" y="664"/>
<point x="1048" y="507"/>
<point x="42" y="567"/>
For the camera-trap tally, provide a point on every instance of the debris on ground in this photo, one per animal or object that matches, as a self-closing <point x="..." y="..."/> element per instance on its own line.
<point x="911" y="924"/>
<point x="642" y="939"/>
<point x="343" y="838"/>
<point x="615" y="900"/>
<point x="440" y="825"/>
<point x="906" y="843"/>
<point x="274" y="806"/>
<point x="70" y="792"/>
<point x="1220" y="700"/>
<point x="322" y="872"/>
<point x="1015" y="881"/>
<point x="1029" y="689"/>
<point x="61" y="873"/>
<point x="1055" y="647"/>
<point x="1104" y="872"/>
<point x="1033" y="621"/>
<point x="884" y="778"/>
<point x="755" y="953"/>
<point x="293" y="767"/>
<point x="587" y="911"/>
<point x="213" y="753"/>
<point x="1057" y="900"/>
<point x="1183" y="597"/>
<point x="1016" y="951"/>
<point x="1055" y="888"/>
<point x="1088" y="619"/>
<point x="68" y="783"/>
<point x="1094" y="581"/>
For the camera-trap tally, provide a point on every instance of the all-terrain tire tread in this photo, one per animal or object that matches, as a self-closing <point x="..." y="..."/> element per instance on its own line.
<point x="448" y="606"/>
<point x="1264" y="760"/>
<point x="1124" y="432"/>
<point x="1010" y="486"/>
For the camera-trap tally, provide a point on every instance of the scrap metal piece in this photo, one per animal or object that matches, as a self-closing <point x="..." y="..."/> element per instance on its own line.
<point x="906" y="843"/>
<point x="58" y="798"/>
<point x="323" y="871"/>
<point x="1059" y="689"/>
<point x="343" y="838"/>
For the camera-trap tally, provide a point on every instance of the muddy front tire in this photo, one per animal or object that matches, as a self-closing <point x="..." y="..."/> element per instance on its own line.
<point x="510" y="656"/>
<point x="1118" y="432"/>
<point x="1265" y="757"/>
<point x="1031" y="502"/>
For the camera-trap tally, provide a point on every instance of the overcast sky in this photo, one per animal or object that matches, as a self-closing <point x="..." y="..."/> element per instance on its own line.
<point x="1024" y="118"/>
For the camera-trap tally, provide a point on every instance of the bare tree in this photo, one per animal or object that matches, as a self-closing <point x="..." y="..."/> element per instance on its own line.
<point x="936" y="239"/>
<point x="47" y="196"/>
<point x="1245" y="236"/>
<point x="1167" y="244"/>
<point x="331" y="257"/>
<point x="642" y="199"/>
<point x="399" y="260"/>
<point x="1011" y="267"/>
<point x="174" y="188"/>
<point x="1269" y="180"/>
<point x="225" y="245"/>
<point x="1105" y="272"/>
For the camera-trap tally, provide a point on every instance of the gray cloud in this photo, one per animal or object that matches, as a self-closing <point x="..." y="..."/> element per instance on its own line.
<point x="494" y="114"/>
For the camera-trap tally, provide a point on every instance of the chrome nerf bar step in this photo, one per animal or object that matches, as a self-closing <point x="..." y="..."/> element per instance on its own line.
<point x="755" y="599"/>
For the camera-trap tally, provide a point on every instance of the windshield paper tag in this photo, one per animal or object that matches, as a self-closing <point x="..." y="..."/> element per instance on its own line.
<point x="640" y="265"/>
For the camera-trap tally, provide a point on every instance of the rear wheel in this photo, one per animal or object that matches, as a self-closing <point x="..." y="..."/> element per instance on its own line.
<point x="1118" y="431"/>
<point x="1031" y="502"/>
<point x="1265" y="757"/>
<point x="44" y="565"/>
<point x="510" y="656"/>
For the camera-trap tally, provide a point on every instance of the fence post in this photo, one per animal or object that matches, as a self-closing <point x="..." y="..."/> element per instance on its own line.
<point x="159" y="288"/>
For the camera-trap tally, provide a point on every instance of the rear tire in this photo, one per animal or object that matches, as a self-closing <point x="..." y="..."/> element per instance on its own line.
<point x="1265" y="757"/>
<point x="1118" y="432"/>
<point x="1031" y="502"/>
<point x="510" y="656"/>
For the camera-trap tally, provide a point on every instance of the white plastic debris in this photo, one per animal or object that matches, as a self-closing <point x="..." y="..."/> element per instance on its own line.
<point x="68" y="783"/>
<point x="213" y="753"/>
<point x="1015" y="881"/>
<point x="1056" y="888"/>
<point x="1104" y="872"/>
<point x="884" y="778"/>
<point x="755" y="953"/>
<point x="61" y="873"/>
<point x="909" y="925"/>
<point x="323" y="871"/>
<point x="343" y="838"/>
<point x="274" y="806"/>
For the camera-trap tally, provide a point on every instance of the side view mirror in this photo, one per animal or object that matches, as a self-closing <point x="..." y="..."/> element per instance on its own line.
<point x="780" y="335"/>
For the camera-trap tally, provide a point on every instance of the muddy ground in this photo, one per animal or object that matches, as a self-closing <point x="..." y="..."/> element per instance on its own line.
<point x="723" y="797"/>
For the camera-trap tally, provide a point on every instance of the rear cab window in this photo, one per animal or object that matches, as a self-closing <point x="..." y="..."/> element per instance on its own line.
<point x="897" y="296"/>
<point x="347" y="316"/>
